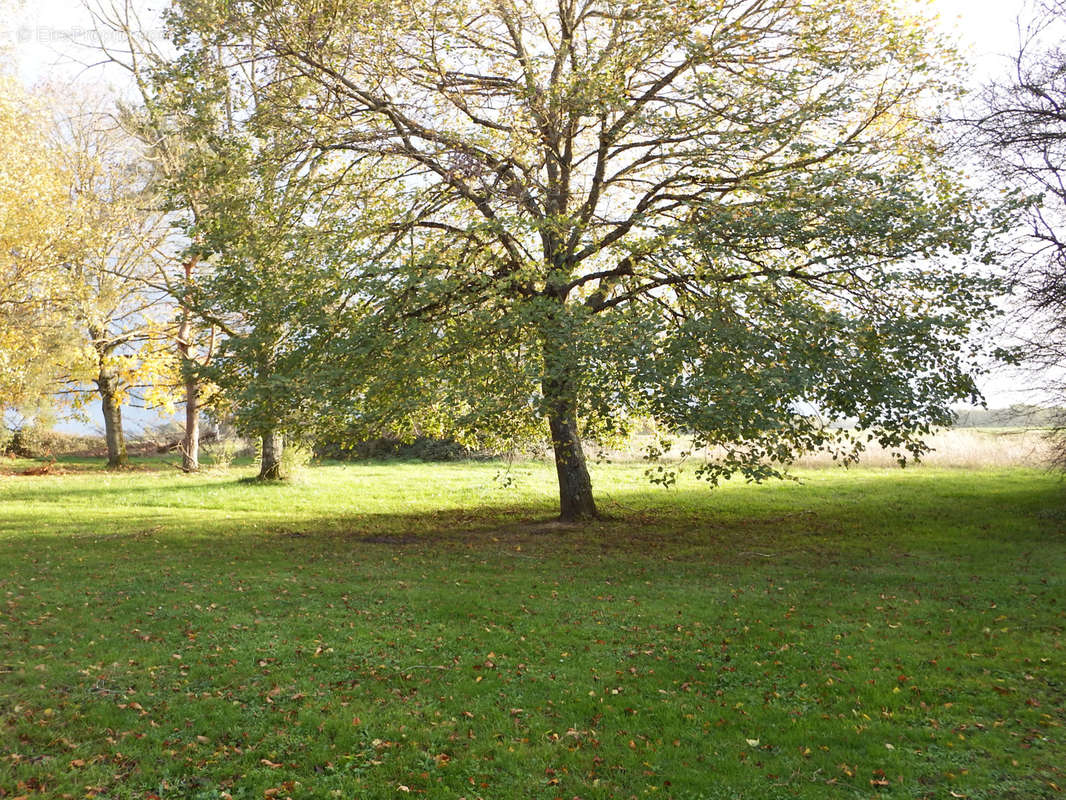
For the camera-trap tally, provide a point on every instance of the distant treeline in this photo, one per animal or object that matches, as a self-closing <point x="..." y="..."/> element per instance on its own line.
<point x="40" y="441"/>
<point x="1017" y="416"/>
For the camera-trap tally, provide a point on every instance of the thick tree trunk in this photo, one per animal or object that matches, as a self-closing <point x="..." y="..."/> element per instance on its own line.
<point x="116" y="441"/>
<point x="575" y="485"/>
<point x="270" y="464"/>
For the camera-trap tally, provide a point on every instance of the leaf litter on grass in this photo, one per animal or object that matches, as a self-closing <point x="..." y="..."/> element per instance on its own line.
<point x="877" y="661"/>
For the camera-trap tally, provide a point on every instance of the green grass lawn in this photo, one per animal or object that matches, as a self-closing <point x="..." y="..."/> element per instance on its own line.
<point x="387" y="630"/>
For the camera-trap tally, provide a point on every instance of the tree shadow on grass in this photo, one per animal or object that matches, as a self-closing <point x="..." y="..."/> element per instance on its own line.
<point x="817" y="527"/>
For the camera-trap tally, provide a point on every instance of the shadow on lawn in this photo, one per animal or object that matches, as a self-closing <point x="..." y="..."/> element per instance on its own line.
<point x="15" y="487"/>
<point x="814" y="526"/>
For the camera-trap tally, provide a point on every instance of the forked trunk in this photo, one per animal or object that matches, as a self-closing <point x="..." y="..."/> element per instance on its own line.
<point x="112" y="411"/>
<point x="270" y="465"/>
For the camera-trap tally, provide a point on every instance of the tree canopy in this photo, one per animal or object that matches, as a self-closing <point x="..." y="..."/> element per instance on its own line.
<point x="37" y="231"/>
<point x="123" y="238"/>
<point x="731" y="217"/>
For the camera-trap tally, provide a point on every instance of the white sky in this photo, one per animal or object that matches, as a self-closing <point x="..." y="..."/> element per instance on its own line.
<point x="51" y="40"/>
<point x="985" y="29"/>
<point x="45" y="34"/>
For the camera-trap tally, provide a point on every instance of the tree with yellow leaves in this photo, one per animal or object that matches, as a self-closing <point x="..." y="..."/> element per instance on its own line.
<point x="121" y="237"/>
<point x="78" y="239"/>
<point x="36" y="236"/>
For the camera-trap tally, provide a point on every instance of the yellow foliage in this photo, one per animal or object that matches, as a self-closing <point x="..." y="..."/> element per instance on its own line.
<point x="35" y="212"/>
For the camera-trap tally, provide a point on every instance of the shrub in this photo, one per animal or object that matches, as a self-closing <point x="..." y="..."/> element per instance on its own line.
<point x="423" y="448"/>
<point x="39" y="441"/>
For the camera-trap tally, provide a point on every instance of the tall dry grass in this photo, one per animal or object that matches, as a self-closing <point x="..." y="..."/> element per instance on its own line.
<point x="970" y="448"/>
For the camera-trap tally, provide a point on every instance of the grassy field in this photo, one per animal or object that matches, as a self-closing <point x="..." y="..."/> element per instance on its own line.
<point x="388" y="630"/>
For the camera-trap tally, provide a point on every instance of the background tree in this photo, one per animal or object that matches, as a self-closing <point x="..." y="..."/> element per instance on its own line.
<point x="707" y="213"/>
<point x="37" y="341"/>
<point x="278" y="231"/>
<point x="1022" y="132"/>
<point x="124" y="42"/>
<point x="121" y="237"/>
<point x="278" y="287"/>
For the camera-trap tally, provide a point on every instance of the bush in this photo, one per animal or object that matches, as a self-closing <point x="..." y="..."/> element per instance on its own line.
<point x="222" y="451"/>
<point x="27" y="442"/>
<point x="422" y="449"/>
<point x="38" y="441"/>
<point x="294" y="457"/>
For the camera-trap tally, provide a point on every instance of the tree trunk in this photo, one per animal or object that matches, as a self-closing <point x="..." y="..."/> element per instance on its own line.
<point x="190" y="446"/>
<point x="116" y="441"/>
<point x="270" y="464"/>
<point x="575" y="485"/>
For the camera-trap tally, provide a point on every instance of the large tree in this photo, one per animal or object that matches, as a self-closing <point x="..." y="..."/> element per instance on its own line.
<point x="77" y="242"/>
<point x="38" y="343"/>
<point x="1022" y="131"/>
<point x="728" y="216"/>
<point x="120" y="240"/>
<point x="278" y="229"/>
<point x="276" y="257"/>
<point x="123" y="41"/>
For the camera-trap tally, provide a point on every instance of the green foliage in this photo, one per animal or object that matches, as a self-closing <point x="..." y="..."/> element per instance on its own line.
<point x="732" y="218"/>
<point x="423" y="448"/>
<point x="275" y="241"/>
<point x="871" y="633"/>
<point x="294" y="459"/>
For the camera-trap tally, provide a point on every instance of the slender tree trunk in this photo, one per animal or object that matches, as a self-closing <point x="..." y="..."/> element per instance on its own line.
<point x="116" y="441"/>
<point x="270" y="465"/>
<point x="575" y="485"/>
<point x="190" y="446"/>
<point x="107" y="383"/>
